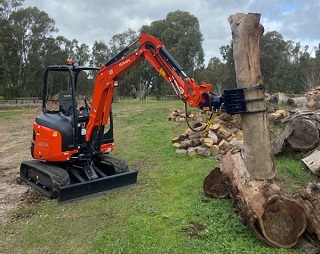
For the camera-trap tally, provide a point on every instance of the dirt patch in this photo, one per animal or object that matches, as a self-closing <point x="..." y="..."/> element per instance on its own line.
<point x="194" y="229"/>
<point x="15" y="139"/>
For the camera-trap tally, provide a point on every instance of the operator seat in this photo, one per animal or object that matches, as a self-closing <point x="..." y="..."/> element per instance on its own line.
<point x="66" y="103"/>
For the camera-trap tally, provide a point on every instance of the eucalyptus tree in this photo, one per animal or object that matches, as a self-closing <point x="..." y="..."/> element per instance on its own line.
<point x="180" y="33"/>
<point x="100" y="53"/>
<point x="217" y="74"/>
<point x="22" y="47"/>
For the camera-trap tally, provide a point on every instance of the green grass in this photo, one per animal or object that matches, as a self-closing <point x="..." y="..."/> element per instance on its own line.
<point x="8" y="114"/>
<point x="166" y="212"/>
<point x="291" y="171"/>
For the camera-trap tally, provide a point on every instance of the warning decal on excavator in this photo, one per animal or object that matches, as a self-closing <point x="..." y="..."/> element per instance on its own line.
<point x="54" y="134"/>
<point x="162" y="72"/>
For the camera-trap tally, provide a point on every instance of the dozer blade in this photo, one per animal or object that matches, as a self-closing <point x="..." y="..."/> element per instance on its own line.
<point x="77" y="191"/>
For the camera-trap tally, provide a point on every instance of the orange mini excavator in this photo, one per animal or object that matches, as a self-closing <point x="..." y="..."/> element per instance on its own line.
<point x="71" y="146"/>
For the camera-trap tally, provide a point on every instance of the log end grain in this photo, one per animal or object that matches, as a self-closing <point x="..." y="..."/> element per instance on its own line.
<point x="305" y="134"/>
<point x="282" y="222"/>
<point x="214" y="184"/>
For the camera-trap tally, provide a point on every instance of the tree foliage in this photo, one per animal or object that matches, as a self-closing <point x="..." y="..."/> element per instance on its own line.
<point x="216" y="73"/>
<point x="180" y="33"/>
<point x="25" y="49"/>
<point x="28" y="46"/>
<point x="285" y="65"/>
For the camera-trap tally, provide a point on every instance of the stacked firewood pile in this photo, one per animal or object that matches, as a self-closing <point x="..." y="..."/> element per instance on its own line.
<point x="300" y="127"/>
<point x="179" y="115"/>
<point x="299" y="131"/>
<point x="310" y="100"/>
<point x="223" y="134"/>
<point x="314" y="91"/>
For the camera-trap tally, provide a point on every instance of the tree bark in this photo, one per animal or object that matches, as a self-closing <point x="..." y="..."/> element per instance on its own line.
<point x="246" y="33"/>
<point x="309" y="199"/>
<point x="274" y="217"/>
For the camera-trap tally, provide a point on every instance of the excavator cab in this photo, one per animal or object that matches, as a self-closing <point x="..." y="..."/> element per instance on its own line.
<point x="66" y="111"/>
<point x="65" y="165"/>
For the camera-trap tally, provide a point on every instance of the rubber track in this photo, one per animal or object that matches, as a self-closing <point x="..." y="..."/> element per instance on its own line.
<point x="120" y="166"/>
<point x="58" y="176"/>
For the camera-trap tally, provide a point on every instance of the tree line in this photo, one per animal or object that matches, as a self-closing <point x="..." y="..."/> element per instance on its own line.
<point x="28" y="46"/>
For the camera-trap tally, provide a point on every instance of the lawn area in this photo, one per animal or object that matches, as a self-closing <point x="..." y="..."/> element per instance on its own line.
<point x="7" y="114"/>
<point x="166" y="212"/>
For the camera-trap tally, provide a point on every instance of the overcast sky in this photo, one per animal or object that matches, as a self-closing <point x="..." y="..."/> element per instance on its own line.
<point x="94" y="20"/>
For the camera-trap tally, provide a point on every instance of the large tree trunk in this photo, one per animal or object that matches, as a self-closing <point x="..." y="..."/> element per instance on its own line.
<point x="274" y="218"/>
<point x="246" y="33"/>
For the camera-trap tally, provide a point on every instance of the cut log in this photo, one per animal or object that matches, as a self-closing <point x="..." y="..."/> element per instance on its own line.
<point x="223" y="133"/>
<point x="279" y="98"/>
<point x="196" y="142"/>
<point x="214" y="184"/>
<point x="236" y="143"/>
<point x="213" y="136"/>
<point x="307" y="247"/>
<point x="275" y="117"/>
<point x="192" y="151"/>
<point x="181" y="151"/>
<point x="304" y="133"/>
<point x="274" y="218"/>
<point x="193" y="135"/>
<point x="246" y="33"/>
<point x="214" y="148"/>
<point x="176" y="145"/>
<point x="313" y="104"/>
<point x="183" y="137"/>
<point x="278" y="142"/>
<point x="223" y="144"/>
<point x="176" y="140"/>
<point x="185" y="144"/>
<point x="298" y="101"/>
<point x="204" y="151"/>
<point x="198" y="119"/>
<point x="181" y="119"/>
<point x="309" y="199"/>
<point x="208" y="142"/>
<point x="313" y="162"/>
<point x="215" y="127"/>
<point x="282" y="99"/>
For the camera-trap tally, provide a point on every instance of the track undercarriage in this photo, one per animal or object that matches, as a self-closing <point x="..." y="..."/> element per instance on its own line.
<point x="69" y="182"/>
